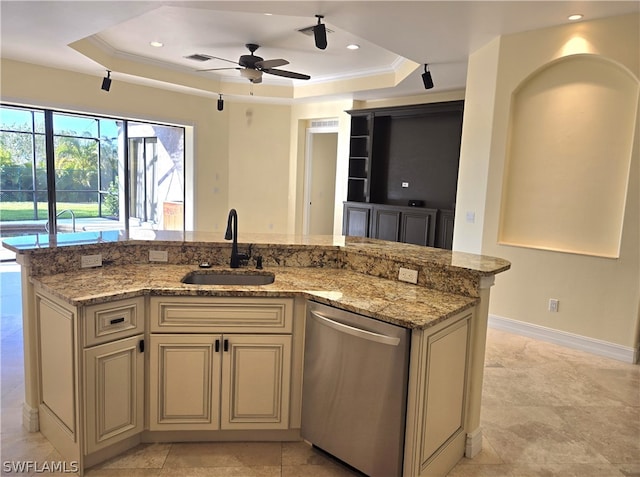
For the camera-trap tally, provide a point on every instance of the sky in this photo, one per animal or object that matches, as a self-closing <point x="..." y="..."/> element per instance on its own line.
<point x="21" y="119"/>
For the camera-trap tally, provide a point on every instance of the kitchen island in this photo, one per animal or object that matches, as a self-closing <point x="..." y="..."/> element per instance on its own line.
<point x="100" y="316"/>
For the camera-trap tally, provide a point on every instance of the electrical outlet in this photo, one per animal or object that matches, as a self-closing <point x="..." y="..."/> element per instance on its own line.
<point x="90" y="261"/>
<point x="408" y="275"/>
<point x="553" y="305"/>
<point x="158" y="256"/>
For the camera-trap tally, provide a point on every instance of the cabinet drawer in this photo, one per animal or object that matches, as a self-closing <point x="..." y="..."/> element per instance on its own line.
<point x="214" y="315"/>
<point x="114" y="320"/>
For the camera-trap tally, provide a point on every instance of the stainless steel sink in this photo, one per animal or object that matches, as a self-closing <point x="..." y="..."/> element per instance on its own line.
<point x="228" y="278"/>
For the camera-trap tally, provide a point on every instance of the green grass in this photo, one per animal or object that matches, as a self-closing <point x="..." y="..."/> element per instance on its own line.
<point x="12" y="211"/>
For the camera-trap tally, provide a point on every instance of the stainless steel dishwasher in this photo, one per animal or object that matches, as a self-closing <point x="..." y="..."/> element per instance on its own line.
<point x="355" y="389"/>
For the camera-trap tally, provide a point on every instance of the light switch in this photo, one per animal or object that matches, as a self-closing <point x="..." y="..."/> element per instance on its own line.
<point x="471" y="217"/>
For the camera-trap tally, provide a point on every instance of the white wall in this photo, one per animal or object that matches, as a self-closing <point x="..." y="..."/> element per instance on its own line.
<point x="599" y="297"/>
<point x="258" y="158"/>
<point x="475" y="148"/>
<point x="575" y="167"/>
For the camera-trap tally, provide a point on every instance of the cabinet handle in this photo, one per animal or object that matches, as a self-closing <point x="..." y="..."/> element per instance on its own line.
<point x="117" y="320"/>
<point x="141" y="346"/>
<point x="226" y="345"/>
<point x="217" y="346"/>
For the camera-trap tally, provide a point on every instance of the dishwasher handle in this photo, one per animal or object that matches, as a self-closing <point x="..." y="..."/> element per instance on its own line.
<point x="360" y="333"/>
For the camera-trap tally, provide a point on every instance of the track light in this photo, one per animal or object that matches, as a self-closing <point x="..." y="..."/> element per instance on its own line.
<point x="220" y="103"/>
<point x="320" y="33"/>
<point x="426" y="78"/>
<point x="106" y="81"/>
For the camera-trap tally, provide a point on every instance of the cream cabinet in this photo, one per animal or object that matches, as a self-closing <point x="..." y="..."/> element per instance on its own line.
<point x="113" y="363"/>
<point x="220" y="363"/>
<point x="114" y="392"/>
<point x="437" y="401"/>
<point x="57" y="361"/>
<point x="256" y="378"/>
<point x="184" y="382"/>
<point x="91" y="370"/>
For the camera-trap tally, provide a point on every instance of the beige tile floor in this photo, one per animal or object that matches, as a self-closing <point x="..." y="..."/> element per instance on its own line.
<point x="547" y="411"/>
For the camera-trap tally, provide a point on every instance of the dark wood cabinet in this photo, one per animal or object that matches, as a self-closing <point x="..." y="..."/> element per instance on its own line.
<point x="356" y="219"/>
<point x="402" y="154"/>
<point x="385" y="224"/>
<point x="416" y="225"/>
<point x="444" y="227"/>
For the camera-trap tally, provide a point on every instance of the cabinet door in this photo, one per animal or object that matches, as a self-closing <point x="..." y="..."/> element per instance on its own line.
<point x="418" y="226"/>
<point x="256" y="375"/>
<point x="386" y="224"/>
<point x="356" y="220"/>
<point x="445" y="229"/>
<point x="444" y="405"/>
<point x="57" y="363"/>
<point x="184" y="382"/>
<point x="114" y="393"/>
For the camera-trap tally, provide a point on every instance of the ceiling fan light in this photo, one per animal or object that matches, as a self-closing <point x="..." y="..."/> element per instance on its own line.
<point x="251" y="75"/>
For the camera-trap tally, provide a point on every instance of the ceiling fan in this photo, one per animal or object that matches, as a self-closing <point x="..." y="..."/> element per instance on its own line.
<point x="253" y="66"/>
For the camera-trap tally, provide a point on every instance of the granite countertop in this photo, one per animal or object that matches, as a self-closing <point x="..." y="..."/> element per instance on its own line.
<point x="481" y="264"/>
<point x="352" y="273"/>
<point x="391" y="301"/>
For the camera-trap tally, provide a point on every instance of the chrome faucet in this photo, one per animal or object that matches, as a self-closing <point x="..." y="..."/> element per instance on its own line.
<point x="236" y="257"/>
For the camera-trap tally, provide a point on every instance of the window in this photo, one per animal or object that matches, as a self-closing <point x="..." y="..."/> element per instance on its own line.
<point x="23" y="171"/>
<point x="92" y="165"/>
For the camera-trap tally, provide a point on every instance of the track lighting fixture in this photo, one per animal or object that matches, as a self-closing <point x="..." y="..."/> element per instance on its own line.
<point x="106" y="81"/>
<point x="220" y="103"/>
<point x="320" y="33"/>
<point x="426" y="78"/>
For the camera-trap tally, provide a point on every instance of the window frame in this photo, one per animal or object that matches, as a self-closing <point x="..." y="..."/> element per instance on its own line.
<point x="50" y="136"/>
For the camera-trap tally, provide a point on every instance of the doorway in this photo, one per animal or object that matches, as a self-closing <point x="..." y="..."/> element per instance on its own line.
<point x="320" y="180"/>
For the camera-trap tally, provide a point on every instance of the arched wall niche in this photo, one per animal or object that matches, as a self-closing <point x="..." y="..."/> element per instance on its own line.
<point x="571" y="134"/>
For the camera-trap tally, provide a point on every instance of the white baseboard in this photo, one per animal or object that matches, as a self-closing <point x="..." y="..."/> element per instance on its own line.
<point x="30" y="418"/>
<point x="473" y="444"/>
<point x="563" y="338"/>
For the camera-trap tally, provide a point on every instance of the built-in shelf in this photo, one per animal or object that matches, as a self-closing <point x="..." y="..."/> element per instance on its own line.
<point x="359" y="158"/>
<point x="402" y="154"/>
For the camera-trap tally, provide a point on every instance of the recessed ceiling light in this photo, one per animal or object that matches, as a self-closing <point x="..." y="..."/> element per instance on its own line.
<point x="353" y="46"/>
<point x="268" y="14"/>
<point x="156" y="44"/>
<point x="575" y="17"/>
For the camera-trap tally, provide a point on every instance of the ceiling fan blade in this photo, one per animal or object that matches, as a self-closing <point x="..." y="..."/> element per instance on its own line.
<point x="287" y="74"/>
<point x="221" y="59"/>
<point x="218" y="69"/>
<point x="266" y="64"/>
